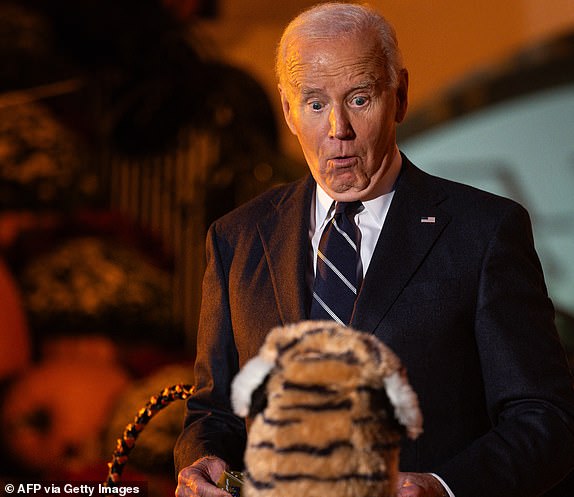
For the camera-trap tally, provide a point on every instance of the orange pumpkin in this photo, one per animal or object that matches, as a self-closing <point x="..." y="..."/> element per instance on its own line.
<point x="55" y="413"/>
<point x="14" y="336"/>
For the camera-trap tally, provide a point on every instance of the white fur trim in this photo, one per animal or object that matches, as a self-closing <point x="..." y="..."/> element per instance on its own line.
<point x="246" y="381"/>
<point x="405" y="402"/>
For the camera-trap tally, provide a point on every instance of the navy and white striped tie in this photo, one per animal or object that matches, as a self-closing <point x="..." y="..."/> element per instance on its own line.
<point x="336" y="282"/>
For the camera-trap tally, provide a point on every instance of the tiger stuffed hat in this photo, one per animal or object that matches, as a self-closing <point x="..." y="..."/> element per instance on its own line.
<point x="330" y="405"/>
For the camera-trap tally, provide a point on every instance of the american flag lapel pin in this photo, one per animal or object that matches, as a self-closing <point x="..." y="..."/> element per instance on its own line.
<point x="428" y="219"/>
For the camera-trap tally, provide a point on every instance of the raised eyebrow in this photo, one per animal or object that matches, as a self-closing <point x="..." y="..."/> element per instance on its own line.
<point x="370" y="84"/>
<point x="310" y="91"/>
<point x="366" y="85"/>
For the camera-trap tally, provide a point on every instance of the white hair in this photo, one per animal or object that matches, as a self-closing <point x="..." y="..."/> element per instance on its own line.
<point x="335" y="20"/>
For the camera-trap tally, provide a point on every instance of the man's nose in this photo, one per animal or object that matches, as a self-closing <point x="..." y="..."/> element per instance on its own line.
<point x="339" y="124"/>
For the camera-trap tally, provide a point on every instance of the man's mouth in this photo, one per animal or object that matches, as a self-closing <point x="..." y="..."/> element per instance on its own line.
<point x="342" y="161"/>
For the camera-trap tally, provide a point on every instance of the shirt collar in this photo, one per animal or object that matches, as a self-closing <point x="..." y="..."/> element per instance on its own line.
<point x="323" y="206"/>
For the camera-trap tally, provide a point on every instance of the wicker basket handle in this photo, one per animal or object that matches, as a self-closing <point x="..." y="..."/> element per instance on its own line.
<point x="127" y="442"/>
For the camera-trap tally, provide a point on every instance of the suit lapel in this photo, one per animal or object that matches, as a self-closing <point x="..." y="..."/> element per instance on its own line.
<point x="285" y="237"/>
<point x="413" y="224"/>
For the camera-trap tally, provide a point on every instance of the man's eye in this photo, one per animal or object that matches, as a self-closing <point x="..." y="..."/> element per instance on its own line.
<point x="316" y="105"/>
<point x="359" y="101"/>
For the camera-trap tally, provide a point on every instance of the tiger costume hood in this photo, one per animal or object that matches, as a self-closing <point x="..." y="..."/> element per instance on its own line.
<point x="329" y="405"/>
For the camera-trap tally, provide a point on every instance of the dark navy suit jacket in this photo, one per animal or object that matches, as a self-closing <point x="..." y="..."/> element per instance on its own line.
<point x="455" y="288"/>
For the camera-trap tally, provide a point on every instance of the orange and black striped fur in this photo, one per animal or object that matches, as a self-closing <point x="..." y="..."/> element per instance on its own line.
<point x="336" y="403"/>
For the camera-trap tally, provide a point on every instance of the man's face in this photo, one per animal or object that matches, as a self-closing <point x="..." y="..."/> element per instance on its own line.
<point x="338" y="103"/>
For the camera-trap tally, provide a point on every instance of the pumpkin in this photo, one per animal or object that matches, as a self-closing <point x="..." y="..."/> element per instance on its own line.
<point x="14" y="336"/>
<point x="55" y="413"/>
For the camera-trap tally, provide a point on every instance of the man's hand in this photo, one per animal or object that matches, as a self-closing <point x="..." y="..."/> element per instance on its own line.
<point x="198" y="480"/>
<point x="419" y="485"/>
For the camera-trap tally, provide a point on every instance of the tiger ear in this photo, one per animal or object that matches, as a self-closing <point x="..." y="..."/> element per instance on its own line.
<point x="405" y="403"/>
<point x="259" y="398"/>
<point x="247" y="383"/>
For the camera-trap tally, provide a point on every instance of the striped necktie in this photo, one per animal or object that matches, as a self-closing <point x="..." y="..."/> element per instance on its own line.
<point x="336" y="282"/>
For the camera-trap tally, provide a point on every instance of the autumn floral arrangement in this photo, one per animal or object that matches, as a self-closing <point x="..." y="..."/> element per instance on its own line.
<point x="96" y="284"/>
<point x="43" y="164"/>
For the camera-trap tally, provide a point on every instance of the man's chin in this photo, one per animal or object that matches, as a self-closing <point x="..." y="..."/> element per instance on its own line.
<point x="345" y="182"/>
<point x="346" y="193"/>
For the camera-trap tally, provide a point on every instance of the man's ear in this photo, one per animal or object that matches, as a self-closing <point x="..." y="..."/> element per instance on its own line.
<point x="286" y="106"/>
<point x="402" y="95"/>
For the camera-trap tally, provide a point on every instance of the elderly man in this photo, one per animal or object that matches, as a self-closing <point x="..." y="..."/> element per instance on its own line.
<point x="446" y="275"/>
